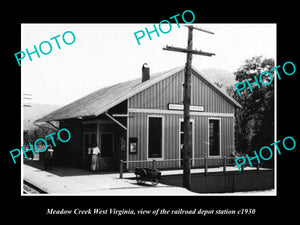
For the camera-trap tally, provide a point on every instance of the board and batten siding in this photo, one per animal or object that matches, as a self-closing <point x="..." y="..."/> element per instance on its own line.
<point x="154" y="101"/>
<point x="170" y="90"/>
<point x="138" y="128"/>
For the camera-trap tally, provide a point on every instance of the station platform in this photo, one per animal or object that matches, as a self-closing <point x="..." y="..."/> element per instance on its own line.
<point x="62" y="180"/>
<point x="75" y="181"/>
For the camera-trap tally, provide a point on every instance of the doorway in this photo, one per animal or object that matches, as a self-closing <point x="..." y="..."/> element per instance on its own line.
<point x="107" y="145"/>
<point x="89" y="138"/>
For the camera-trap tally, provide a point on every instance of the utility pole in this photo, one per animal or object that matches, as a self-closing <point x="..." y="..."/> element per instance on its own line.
<point x="28" y="97"/>
<point x="187" y="101"/>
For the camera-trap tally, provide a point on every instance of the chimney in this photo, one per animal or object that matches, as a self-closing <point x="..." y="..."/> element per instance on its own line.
<point x="145" y="72"/>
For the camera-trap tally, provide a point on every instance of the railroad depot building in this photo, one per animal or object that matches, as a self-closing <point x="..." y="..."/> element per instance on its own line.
<point x="142" y="120"/>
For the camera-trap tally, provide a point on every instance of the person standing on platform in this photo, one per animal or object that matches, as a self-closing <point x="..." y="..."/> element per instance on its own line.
<point x="48" y="157"/>
<point x="95" y="153"/>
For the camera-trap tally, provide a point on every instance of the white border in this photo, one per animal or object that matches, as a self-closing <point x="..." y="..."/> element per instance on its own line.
<point x="207" y="194"/>
<point x="127" y="136"/>
<point x="275" y="117"/>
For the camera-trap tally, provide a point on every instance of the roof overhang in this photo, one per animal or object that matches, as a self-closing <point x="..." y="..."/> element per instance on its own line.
<point x="73" y="111"/>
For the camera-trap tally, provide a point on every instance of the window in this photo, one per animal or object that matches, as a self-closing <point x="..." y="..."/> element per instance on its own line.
<point x="155" y="138"/>
<point x="214" y="137"/>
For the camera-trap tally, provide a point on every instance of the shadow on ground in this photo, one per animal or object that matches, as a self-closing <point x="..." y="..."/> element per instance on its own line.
<point x="64" y="171"/>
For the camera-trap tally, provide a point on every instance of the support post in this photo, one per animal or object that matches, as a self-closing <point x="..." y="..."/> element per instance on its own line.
<point x="205" y="165"/>
<point x="186" y="115"/>
<point x="224" y="164"/>
<point x="153" y="164"/>
<point x="186" y="162"/>
<point x="121" y="168"/>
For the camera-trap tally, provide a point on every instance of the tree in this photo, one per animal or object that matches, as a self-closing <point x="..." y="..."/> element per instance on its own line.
<point x="35" y="133"/>
<point x="255" y="121"/>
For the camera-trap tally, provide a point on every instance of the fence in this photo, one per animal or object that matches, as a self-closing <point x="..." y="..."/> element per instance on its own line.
<point x="205" y="163"/>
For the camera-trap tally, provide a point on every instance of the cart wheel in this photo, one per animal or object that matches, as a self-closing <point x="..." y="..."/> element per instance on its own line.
<point x="139" y="180"/>
<point x="154" y="181"/>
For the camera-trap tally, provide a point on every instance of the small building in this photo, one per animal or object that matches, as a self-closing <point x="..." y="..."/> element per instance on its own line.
<point x="141" y="120"/>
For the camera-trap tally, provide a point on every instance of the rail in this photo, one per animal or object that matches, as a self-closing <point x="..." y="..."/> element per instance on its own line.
<point x="206" y="159"/>
<point x="33" y="187"/>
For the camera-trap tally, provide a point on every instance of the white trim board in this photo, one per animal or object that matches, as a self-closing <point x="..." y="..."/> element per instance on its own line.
<point x="163" y="111"/>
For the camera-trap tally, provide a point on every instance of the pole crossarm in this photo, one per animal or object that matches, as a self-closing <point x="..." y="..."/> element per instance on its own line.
<point x="184" y="50"/>
<point x="199" y="28"/>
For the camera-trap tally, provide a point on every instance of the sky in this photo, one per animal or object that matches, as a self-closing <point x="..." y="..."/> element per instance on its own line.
<point x="106" y="54"/>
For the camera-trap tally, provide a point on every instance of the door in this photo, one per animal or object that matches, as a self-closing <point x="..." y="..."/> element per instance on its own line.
<point x="181" y="140"/>
<point x="107" y="145"/>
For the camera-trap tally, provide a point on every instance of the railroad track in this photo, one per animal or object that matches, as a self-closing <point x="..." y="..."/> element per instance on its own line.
<point x="30" y="188"/>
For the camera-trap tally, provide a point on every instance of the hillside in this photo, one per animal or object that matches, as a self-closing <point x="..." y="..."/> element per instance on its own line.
<point x="30" y="114"/>
<point x="220" y="76"/>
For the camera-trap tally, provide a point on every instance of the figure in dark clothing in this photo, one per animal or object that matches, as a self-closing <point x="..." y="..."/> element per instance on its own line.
<point x="49" y="157"/>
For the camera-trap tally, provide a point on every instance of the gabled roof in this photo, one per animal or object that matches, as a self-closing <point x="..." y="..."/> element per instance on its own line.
<point x="100" y="101"/>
